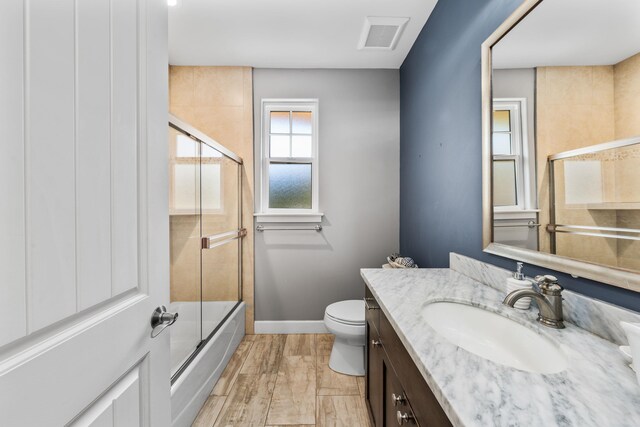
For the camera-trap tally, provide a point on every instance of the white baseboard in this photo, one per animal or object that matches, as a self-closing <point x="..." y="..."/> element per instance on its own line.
<point x="290" y="327"/>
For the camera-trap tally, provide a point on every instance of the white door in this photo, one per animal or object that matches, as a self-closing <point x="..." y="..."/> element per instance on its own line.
<point x="83" y="212"/>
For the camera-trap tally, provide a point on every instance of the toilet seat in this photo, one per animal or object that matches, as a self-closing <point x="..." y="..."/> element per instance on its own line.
<point x="349" y="312"/>
<point x="344" y="322"/>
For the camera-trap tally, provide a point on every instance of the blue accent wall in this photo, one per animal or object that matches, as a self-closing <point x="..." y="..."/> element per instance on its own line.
<point x="440" y="143"/>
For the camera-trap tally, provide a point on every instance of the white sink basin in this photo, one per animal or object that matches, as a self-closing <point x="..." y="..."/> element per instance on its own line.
<point x="495" y="337"/>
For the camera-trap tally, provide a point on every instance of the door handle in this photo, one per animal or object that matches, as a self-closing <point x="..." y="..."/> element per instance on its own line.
<point x="161" y="319"/>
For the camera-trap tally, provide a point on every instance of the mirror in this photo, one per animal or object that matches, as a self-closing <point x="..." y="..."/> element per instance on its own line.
<point x="561" y="138"/>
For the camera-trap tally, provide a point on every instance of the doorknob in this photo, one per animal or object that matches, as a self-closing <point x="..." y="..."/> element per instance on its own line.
<point x="161" y="319"/>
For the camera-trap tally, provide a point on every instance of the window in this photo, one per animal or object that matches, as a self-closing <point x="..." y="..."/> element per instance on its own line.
<point x="511" y="161"/>
<point x="289" y="166"/>
<point x="196" y="181"/>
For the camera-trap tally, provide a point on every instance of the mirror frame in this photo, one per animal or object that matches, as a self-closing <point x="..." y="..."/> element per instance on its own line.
<point x="619" y="277"/>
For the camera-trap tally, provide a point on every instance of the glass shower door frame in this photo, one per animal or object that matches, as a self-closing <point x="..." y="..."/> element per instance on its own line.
<point x="215" y="240"/>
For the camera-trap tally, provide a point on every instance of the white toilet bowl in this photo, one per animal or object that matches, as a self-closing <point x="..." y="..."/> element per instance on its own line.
<point x="345" y="319"/>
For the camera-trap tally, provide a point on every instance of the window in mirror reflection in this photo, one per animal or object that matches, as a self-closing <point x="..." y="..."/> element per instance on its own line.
<point x="501" y="120"/>
<point x="504" y="183"/>
<point x="509" y="168"/>
<point x="502" y="130"/>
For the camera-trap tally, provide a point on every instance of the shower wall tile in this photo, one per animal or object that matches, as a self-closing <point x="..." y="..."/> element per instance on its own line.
<point x="219" y="102"/>
<point x="575" y="109"/>
<point x="218" y="86"/>
<point x="181" y="87"/>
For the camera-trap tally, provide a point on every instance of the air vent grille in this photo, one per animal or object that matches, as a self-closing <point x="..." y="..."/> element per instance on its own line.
<point x="381" y="36"/>
<point x="381" y="33"/>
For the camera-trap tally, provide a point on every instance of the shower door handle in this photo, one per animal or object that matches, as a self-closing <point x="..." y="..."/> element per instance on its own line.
<point x="215" y="240"/>
<point x="161" y="319"/>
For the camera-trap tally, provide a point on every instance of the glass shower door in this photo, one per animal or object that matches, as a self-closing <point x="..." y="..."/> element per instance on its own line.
<point x="185" y="246"/>
<point x="221" y="223"/>
<point x="205" y="239"/>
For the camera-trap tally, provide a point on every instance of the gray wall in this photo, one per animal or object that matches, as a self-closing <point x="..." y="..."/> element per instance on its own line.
<point x="298" y="273"/>
<point x="518" y="83"/>
<point x="440" y="154"/>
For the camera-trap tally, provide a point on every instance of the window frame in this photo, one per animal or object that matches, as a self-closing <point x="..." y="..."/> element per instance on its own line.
<point x="197" y="162"/>
<point x="267" y="214"/>
<point x="521" y="154"/>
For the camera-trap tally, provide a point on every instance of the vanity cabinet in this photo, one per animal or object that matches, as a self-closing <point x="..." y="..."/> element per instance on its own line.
<point x="396" y="392"/>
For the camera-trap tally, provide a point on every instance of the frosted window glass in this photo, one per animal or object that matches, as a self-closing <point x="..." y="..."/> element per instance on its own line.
<point x="279" y="146"/>
<point x="501" y="143"/>
<point x="186" y="147"/>
<point x="185" y="187"/>
<point x="301" y="146"/>
<point x="301" y="122"/>
<point x="290" y="186"/>
<point x="582" y="182"/>
<point x="501" y="121"/>
<point x="280" y="122"/>
<point x="211" y="187"/>
<point x="504" y="183"/>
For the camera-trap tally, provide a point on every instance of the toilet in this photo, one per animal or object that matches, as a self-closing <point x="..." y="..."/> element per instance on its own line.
<point x="345" y="319"/>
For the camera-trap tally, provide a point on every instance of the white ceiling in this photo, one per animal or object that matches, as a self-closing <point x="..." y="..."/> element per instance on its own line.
<point x="288" y="33"/>
<point x="572" y="32"/>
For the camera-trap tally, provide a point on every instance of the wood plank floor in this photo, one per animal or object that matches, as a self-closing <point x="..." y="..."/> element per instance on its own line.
<point x="284" y="380"/>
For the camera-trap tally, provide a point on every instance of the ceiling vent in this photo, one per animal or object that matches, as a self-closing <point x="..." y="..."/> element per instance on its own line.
<point x="381" y="33"/>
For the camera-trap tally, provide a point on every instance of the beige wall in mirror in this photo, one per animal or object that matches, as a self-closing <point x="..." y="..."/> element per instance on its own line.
<point x="571" y="71"/>
<point x="578" y="107"/>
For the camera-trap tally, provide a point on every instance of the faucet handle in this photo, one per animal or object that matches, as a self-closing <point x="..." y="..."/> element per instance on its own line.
<point x="546" y="278"/>
<point x="549" y="285"/>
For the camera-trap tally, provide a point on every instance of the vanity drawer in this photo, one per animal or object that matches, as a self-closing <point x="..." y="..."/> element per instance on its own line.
<point x="426" y="408"/>
<point x="397" y="410"/>
<point x="372" y="309"/>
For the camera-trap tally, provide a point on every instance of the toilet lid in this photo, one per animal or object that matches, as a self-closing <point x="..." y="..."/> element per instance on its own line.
<point x="350" y="311"/>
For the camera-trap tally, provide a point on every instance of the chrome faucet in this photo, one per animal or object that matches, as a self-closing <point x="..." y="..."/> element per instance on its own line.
<point x="548" y="296"/>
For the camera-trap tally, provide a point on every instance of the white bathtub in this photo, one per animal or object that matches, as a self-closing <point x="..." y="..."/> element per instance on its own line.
<point x="191" y="389"/>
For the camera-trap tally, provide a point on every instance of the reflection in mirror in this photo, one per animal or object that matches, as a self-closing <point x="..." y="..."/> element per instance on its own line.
<point x="565" y="135"/>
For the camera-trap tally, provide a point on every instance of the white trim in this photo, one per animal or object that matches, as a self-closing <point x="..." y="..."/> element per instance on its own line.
<point x="290" y="327"/>
<point x="267" y="105"/>
<point x="523" y="154"/>
<point x="289" y="217"/>
<point x="516" y="214"/>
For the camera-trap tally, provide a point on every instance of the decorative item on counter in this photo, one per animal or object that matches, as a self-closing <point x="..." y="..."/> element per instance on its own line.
<point x="396" y="260"/>
<point x="518" y="281"/>
<point x="633" y="335"/>
<point x="391" y="258"/>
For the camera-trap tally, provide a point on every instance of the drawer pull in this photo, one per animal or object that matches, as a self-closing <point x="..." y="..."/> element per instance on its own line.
<point x="398" y="399"/>
<point x="370" y="307"/>
<point x="376" y="343"/>
<point x="404" y="418"/>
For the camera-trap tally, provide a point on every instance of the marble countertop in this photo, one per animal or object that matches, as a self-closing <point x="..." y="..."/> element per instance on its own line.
<point x="597" y="388"/>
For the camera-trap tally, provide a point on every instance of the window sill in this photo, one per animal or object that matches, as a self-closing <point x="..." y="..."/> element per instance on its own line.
<point x="289" y="217"/>
<point x="515" y="214"/>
